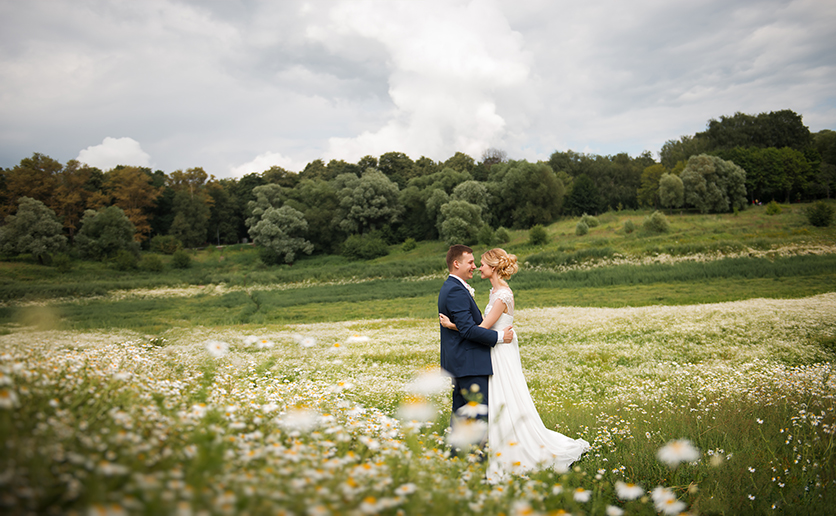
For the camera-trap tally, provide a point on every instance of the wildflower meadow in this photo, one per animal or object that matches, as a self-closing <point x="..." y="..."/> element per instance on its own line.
<point x="721" y="408"/>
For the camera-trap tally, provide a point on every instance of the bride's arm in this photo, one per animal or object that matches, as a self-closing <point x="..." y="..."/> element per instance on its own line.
<point x="496" y="310"/>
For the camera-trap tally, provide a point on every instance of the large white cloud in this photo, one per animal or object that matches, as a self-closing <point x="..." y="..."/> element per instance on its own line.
<point x="115" y="151"/>
<point x="450" y="64"/>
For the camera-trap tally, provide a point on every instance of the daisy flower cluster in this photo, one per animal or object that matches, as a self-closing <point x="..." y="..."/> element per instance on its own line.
<point x="353" y="417"/>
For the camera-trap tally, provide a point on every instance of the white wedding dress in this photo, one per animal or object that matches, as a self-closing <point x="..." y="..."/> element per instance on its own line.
<point x="518" y="439"/>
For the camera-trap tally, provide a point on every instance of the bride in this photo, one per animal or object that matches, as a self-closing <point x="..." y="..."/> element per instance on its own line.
<point x="518" y="438"/>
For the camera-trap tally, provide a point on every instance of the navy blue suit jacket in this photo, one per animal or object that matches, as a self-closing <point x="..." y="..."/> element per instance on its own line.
<point x="466" y="352"/>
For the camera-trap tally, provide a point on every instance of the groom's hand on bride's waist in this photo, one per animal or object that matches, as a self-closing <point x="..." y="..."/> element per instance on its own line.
<point x="508" y="334"/>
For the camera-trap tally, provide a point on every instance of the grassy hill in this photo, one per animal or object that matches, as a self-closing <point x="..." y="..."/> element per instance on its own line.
<point x="703" y="258"/>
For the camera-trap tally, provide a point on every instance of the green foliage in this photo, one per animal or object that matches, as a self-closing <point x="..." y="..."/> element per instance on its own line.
<point x="820" y="214"/>
<point x="364" y="247"/>
<point x="33" y="229"/>
<point x="629" y="227"/>
<point x="409" y="244"/>
<point x="486" y="235"/>
<point x="656" y="223"/>
<point x="125" y="260"/>
<point x="104" y="233"/>
<point x="713" y="185"/>
<point x="459" y="222"/>
<point x="475" y="193"/>
<point x="181" y="260"/>
<point x="165" y="244"/>
<point x="502" y="236"/>
<point x="368" y="202"/>
<point x="648" y="193"/>
<point x="525" y="193"/>
<point x="581" y="228"/>
<point x="671" y="191"/>
<point x="773" y="208"/>
<point x="777" y="129"/>
<point x="151" y="263"/>
<point x="62" y="262"/>
<point x="537" y="235"/>
<point x="281" y="231"/>
<point x="590" y="221"/>
<point x="584" y="196"/>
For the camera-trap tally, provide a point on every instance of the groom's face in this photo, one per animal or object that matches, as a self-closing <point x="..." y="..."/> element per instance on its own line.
<point x="464" y="266"/>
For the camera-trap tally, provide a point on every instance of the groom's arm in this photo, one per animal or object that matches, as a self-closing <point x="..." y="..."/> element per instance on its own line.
<point x="458" y="304"/>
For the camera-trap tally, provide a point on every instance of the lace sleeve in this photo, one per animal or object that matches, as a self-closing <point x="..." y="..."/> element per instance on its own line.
<point x="507" y="297"/>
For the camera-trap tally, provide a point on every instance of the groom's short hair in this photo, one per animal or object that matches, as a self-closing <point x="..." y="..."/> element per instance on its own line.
<point x="455" y="253"/>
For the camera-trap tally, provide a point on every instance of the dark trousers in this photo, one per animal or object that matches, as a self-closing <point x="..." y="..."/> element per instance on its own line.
<point x="464" y="383"/>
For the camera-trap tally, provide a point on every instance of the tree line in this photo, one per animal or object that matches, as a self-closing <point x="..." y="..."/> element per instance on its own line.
<point x="360" y="208"/>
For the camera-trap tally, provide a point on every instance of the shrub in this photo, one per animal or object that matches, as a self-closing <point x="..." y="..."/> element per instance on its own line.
<point x="537" y="235"/>
<point x="364" y="247"/>
<point x="820" y="214"/>
<point x="166" y="244"/>
<point x="502" y="236"/>
<point x="486" y="235"/>
<point x="151" y="263"/>
<point x="581" y="228"/>
<point x="629" y="227"/>
<point x="590" y="221"/>
<point x="772" y="208"/>
<point x="62" y="262"/>
<point x="409" y="244"/>
<point x="181" y="260"/>
<point x="125" y="260"/>
<point x="656" y="223"/>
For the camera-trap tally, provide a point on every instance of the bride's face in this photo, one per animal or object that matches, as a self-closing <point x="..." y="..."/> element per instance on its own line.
<point x="486" y="270"/>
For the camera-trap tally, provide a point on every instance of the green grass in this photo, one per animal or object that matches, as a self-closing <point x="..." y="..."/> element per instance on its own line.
<point x="623" y="285"/>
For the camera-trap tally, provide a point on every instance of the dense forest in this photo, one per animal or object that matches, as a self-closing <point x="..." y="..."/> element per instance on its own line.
<point x="358" y="208"/>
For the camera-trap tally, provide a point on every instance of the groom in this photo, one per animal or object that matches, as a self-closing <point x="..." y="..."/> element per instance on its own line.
<point x="466" y="353"/>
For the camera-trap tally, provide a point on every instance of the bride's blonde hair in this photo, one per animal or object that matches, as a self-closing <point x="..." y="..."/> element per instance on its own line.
<point x="503" y="263"/>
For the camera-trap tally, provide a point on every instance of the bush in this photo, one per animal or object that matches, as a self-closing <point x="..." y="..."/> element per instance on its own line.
<point x="125" y="260"/>
<point x="151" y="263"/>
<point x="364" y="247"/>
<point x="181" y="260"/>
<point x="581" y="228"/>
<point x="820" y="214"/>
<point x="537" y="235"/>
<point x="629" y="227"/>
<point x="165" y="244"/>
<point x="62" y="262"/>
<point x="486" y="235"/>
<point x="772" y="208"/>
<point x="656" y="223"/>
<point x="409" y="244"/>
<point x="502" y="236"/>
<point x="590" y="221"/>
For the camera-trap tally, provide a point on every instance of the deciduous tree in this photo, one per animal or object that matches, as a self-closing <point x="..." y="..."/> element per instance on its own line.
<point x="714" y="185"/>
<point x="132" y="190"/>
<point x="105" y="232"/>
<point x="368" y="202"/>
<point x="34" y="229"/>
<point x="281" y="231"/>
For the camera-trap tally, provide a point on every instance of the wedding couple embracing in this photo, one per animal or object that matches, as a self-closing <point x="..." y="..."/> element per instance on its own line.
<point x="482" y="356"/>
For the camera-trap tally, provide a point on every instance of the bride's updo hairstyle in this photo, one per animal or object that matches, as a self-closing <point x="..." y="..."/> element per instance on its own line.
<point x="503" y="263"/>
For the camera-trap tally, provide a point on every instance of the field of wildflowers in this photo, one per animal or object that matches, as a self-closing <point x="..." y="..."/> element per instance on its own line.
<point x="705" y="409"/>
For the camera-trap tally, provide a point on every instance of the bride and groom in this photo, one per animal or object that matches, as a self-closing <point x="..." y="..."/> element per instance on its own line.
<point x="483" y="358"/>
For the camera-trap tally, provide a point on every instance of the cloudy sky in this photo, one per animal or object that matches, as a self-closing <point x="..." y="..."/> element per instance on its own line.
<point x="236" y="86"/>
